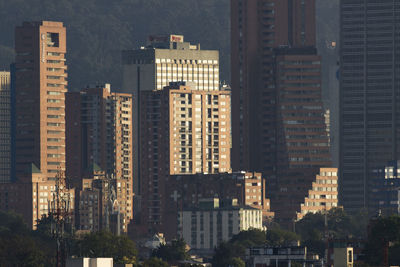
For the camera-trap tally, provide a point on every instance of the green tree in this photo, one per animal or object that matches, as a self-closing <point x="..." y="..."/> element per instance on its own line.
<point x="19" y="246"/>
<point x="236" y="262"/>
<point x="175" y="251"/>
<point x="252" y="237"/>
<point x="228" y="253"/>
<point x="154" y="262"/>
<point x="384" y="234"/>
<point x="340" y="225"/>
<point x="21" y="250"/>
<point x="105" y="244"/>
<point x="280" y="237"/>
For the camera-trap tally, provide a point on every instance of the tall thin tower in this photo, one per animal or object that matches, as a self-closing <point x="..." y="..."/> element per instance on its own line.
<point x="40" y="86"/>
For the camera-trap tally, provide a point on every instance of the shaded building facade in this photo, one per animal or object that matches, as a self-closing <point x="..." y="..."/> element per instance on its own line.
<point x="278" y="125"/>
<point x="384" y="198"/>
<point x="5" y="127"/>
<point x="369" y="95"/>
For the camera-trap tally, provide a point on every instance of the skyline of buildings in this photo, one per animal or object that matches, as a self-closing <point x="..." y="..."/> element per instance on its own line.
<point x="120" y="152"/>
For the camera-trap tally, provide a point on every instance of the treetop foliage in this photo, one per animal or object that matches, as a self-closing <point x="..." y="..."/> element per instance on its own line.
<point x="175" y="251"/>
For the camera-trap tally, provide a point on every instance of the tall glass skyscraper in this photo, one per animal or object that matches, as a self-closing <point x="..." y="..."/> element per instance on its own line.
<point x="369" y="94"/>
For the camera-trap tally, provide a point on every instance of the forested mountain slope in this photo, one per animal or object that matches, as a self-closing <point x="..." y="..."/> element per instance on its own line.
<point x="97" y="30"/>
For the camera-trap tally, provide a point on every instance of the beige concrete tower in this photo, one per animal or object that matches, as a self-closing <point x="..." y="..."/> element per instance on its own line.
<point x="40" y="85"/>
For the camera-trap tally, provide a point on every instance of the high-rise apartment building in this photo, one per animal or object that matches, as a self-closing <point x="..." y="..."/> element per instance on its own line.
<point x="40" y="86"/>
<point x="99" y="132"/>
<point x="99" y="138"/>
<point x="369" y="95"/>
<point x="5" y="127"/>
<point x="182" y="131"/>
<point x="278" y="125"/>
<point x="165" y="59"/>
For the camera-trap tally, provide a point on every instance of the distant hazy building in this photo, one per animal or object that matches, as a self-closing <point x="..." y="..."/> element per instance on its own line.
<point x="369" y="95"/>
<point x="5" y="127"/>
<point x="278" y="124"/>
<point x="214" y="221"/>
<point x="165" y="59"/>
<point x="323" y="195"/>
<point x="182" y="131"/>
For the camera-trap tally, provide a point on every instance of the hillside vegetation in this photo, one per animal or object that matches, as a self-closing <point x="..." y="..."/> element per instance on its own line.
<point x="97" y="30"/>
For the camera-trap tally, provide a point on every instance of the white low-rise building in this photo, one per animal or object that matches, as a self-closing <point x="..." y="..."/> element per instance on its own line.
<point x="206" y="226"/>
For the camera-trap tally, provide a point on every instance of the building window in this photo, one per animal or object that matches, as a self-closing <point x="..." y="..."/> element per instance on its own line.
<point x="53" y="39"/>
